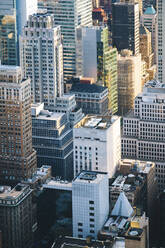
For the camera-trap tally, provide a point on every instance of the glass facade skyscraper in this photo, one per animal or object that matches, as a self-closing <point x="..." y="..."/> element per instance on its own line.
<point x="8" y="33"/>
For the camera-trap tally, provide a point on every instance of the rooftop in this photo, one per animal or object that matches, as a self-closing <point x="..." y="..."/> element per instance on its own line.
<point x="6" y="193"/>
<point x="47" y="115"/>
<point x="69" y="242"/>
<point x="150" y="11"/>
<point x="154" y="84"/>
<point x="90" y="176"/>
<point x="143" y="30"/>
<point x="88" y="88"/>
<point x="97" y="122"/>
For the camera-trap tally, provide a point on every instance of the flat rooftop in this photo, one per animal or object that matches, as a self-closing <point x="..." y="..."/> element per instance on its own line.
<point x="6" y="193"/>
<point x="97" y="122"/>
<point x="56" y="183"/>
<point x="47" y="115"/>
<point x="70" y="242"/>
<point x="90" y="176"/>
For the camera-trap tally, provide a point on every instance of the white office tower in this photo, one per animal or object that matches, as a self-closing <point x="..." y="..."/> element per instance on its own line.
<point x="69" y="14"/>
<point x="42" y="58"/>
<point x="161" y="41"/>
<point x="25" y="8"/>
<point x="90" y="203"/>
<point x="97" y="144"/>
<point x="143" y="134"/>
<point x="149" y="20"/>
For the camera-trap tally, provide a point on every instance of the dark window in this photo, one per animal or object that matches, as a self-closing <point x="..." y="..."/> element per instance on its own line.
<point x="91" y="202"/>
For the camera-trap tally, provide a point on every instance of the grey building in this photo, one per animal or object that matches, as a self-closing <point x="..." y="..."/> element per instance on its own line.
<point x="52" y="138"/>
<point x="92" y="98"/>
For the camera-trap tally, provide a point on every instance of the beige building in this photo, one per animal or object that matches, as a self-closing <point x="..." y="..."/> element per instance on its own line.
<point x="17" y="157"/>
<point x="146" y="46"/>
<point x="129" y="80"/>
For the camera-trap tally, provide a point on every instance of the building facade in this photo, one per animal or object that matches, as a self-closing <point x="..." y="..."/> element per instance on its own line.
<point x="97" y="144"/>
<point x="96" y="59"/>
<point x="8" y="33"/>
<point x="90" y="203"/>
<point x="69" y="15"/>
<point x="129" y="80"/>
<point x="42" y="58"/>
<point x="161" y="41"/>
<point x="143" y="129"/>
<point x="53" y="141"/>
<point x="17" y="157"/>
<point x="17" y="207"/>
<point x="92" y="98"/>
<point x="149" y="19"/>
<point x="125" y="26"/>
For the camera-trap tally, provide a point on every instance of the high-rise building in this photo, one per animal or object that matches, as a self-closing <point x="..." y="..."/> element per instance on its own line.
<point x="129" y="80"/>
<point x="8" y="33"/>
<point x="96" y="59"/>
<point x="24" y="9"/>
<point x="69" y="14"/>
<point x="42" y="58"/>
<point x="143" y="134"/>
<point x="140" y="2"/>
<point x="161" y="41"/>
<point x="90" y="203"/>
<point x="17" y="212"/>
<point x="125" y="26"/>
<point x="146" y="46"/>
<point x="17" y="157"/>
<point x="148" y="3"/>
<point x="13" y="16"/>
<point x="97" y="144"/>
<point x="149" y="20"/>
<point x="53" y="141"/>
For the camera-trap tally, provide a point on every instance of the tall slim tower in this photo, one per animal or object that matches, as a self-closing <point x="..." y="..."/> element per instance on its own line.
<point x="69" y="14"/>
<point x="8" y="33"/>
<point x="13" y="17"/>
<point x="125" y="26"/>
<point x="42" y="58"/>
<point x="161" y="41"/>
<point x="17" y="157"/>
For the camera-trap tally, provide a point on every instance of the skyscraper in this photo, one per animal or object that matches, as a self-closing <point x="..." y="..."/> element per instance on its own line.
<point x="17" y="158"/>
<point x="8" y="33"/>
<point x="149" y="20"/>
<point x="95" y="58"/>
<point x="161" y="41"/>
<point x="42" y="58"/>
<point x="13" y="16"/>
<point x="129" y="80"/>
<point x="69" y="14"/>
<point x="24" y="9"/>
<point x="125" y="26"/>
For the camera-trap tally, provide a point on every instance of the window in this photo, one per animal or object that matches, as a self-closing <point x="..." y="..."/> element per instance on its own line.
<point x="80" y="230"/>
<point x="92" y="231"/>
<point x="91" y="208"/>
<point x="80" y="224"/>
<point x="91" y="214"/>
<point x="92" y="220"/>
<point x="91" y="202"/>
<point x="92" y="225"/>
